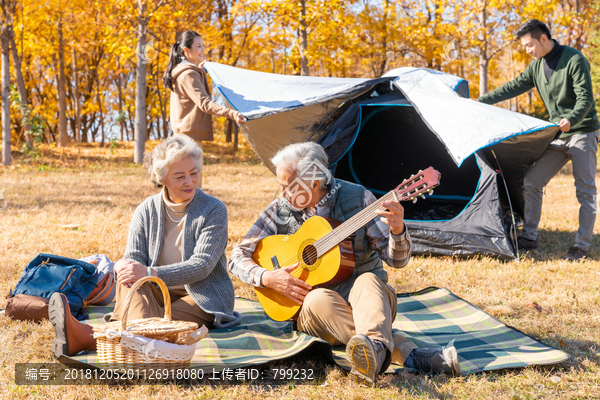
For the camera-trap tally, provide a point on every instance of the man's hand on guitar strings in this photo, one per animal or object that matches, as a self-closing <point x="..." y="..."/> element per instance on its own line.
<point x="393" y="216"/>
<point x="283" y="282"/>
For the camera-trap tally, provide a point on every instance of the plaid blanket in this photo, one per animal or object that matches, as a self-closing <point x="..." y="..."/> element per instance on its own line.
<point x="430" y="317"/>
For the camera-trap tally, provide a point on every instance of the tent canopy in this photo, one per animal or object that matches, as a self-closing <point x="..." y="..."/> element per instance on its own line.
<point x="378" y="132"/>
<point x="462" y="125"/>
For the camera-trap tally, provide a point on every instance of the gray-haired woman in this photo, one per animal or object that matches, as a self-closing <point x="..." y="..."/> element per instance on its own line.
<point x="178" y="235"/>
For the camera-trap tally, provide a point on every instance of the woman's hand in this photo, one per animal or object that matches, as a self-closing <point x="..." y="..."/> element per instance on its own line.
<point x="240" y="119"/>
<point x="129" y="272"/>
<point x="281" y="281"/>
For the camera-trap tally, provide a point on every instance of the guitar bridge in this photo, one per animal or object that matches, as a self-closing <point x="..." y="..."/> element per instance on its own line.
<point x="275" y="263"/>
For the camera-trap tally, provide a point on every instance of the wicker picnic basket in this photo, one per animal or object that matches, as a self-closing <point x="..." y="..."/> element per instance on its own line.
<point x="152" y="332"/>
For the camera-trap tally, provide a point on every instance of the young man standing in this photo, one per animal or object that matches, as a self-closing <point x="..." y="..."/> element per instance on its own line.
<point x="561" y="75"/>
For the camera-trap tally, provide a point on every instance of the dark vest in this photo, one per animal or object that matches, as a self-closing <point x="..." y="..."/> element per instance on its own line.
<point x="344" y="202"/>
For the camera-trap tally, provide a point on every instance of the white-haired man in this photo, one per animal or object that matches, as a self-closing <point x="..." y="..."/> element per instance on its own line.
<point x="359" y="312"/>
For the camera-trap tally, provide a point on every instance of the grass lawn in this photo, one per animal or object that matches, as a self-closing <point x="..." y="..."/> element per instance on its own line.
<point x="79" y="201"/>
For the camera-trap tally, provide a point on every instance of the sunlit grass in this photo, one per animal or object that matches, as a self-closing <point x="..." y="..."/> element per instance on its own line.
<point x="96" y="189"/>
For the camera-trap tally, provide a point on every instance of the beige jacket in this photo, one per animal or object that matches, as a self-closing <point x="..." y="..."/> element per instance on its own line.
<point x="191" y="103"/>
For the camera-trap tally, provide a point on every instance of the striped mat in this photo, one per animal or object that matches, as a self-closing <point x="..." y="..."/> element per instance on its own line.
<point x="430" y="317"/>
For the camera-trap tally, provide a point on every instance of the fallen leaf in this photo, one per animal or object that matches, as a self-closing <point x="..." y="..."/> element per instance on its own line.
<point x="562" y="343"/>
<point x="536" y="307"/>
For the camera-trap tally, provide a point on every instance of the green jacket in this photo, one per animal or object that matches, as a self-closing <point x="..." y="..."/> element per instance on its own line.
<point x="568" y="94"/>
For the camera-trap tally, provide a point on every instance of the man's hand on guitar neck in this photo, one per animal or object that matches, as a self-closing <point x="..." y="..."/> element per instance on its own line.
<point x="281" y="281"/>
<point x="394" y="216"/>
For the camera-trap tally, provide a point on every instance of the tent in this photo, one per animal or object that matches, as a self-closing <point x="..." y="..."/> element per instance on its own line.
<point x="378" y="132"/>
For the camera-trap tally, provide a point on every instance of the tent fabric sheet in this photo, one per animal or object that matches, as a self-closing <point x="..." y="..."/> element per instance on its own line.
<point x="258" y="94"/>
<point x="436" y="81"/>
<point x="431" y="317"/>
<point x="464" y="126"/>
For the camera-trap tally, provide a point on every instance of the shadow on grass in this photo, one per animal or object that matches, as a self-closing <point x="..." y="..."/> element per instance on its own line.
<point x="555" y="244"/>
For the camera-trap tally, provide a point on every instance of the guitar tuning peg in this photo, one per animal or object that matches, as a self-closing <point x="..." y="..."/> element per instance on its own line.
<point x="431" y="192"/>
<point x="423" y="196"/>
<point x="414" y="200"/>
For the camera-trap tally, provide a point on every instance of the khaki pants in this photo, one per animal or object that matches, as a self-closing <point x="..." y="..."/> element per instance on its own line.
<point x="147" y="302"/>
<point x="370" y="310"/>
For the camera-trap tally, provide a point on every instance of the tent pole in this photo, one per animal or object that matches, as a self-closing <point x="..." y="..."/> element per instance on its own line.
<point x="512" y="214"/>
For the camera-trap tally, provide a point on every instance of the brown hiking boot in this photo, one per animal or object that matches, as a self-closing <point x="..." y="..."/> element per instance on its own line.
<point x="576" y="254"/>
<point x="72" y="336"/>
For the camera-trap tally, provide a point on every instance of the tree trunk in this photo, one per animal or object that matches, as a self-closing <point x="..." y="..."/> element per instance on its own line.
<point x="140" y="87"/>
<point x="122" y="122"/>
<point x="6" y="134"/>
<point x="304" y="41"/>
<point x="483" y="56"/>
<point x="228" y="129"/>
<point x="483" y="75"/>
<point x="62" y="96"/>
<point x="162" y="104"/>
<point x="99" y="99"/>
<point x="20" y="81"/>
<point x="77" y="132"/>
<point x="236" y="131"/>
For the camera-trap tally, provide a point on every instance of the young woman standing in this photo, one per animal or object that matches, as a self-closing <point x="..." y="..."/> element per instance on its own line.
<point x="191" y="103"/>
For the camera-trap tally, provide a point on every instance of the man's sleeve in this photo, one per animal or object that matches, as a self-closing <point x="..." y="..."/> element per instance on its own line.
<point x="393" y="249"/>
<point x="517" y="86"/>
<point x="241" y="263"/>
<point x="582" y="86"/>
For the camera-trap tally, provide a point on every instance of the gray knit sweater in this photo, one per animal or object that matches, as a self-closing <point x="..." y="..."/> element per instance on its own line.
<point x="204" y="273"/>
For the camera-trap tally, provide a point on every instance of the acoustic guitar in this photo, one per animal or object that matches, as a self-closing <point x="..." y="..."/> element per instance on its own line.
<point x="322" y="246"/>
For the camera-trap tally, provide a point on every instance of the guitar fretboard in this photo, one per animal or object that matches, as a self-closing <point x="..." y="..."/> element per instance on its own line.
<point x="350" y="226"/>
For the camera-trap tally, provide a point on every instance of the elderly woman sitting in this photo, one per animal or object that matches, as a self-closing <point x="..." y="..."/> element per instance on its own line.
<point x="178" y="235"/>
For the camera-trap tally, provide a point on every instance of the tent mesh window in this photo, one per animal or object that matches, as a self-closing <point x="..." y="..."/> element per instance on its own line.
<point x="394" y="143"/>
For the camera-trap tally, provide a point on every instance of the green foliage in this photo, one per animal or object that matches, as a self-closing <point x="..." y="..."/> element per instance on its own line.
<point x="35" y="123"/>
<point x="594" y="55"/>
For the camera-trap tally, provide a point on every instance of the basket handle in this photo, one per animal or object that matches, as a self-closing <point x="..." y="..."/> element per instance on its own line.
<point x="136" y="285"/>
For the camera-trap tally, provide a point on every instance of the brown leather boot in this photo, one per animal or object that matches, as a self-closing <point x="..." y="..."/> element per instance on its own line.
<point x="72" y="336"/>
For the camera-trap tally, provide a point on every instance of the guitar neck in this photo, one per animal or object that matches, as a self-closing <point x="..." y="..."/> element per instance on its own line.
<point x="350" y="226"/>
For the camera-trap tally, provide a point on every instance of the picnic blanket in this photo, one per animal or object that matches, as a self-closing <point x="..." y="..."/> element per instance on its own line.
<point x="430" y="317"/>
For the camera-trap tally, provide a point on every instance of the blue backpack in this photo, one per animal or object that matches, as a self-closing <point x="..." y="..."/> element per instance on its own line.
<point x="47" y="273"/>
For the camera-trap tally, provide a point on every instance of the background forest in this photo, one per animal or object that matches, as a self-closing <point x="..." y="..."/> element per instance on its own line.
<point x="83" y="71"/>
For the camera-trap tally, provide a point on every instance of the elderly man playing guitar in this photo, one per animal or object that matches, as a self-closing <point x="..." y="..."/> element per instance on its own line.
<point x="357" y="311"/>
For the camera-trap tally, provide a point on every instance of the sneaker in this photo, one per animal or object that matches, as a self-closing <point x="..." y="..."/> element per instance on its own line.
<point x="369" y="358"/>
<point x="576" y="254"/>
<point x="527" y="244"/>
<point x="437" y="360"/>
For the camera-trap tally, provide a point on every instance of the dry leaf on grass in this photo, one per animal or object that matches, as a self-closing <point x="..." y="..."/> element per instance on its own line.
<point x="536" y="307"/>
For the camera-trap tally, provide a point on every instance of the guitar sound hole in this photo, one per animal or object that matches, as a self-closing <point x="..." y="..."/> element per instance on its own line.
<point x="309" y="255"/>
